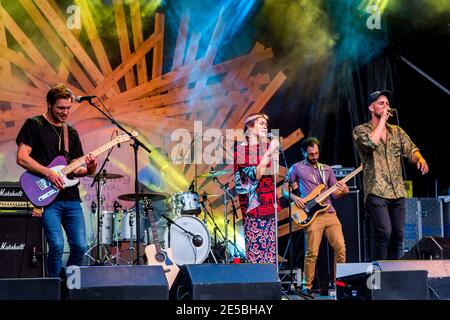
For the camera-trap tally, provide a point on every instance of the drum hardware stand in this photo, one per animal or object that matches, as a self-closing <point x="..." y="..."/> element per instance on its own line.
<point x="101" y="181"/>
<point x="227" y="194"/>
<point x="225" y="189"/>
<point x="115" y="237"/>
<point x="136" y="144"/>
<point x="131" y="248"/>
<point x="202" y="203"/>
<point x="217" y="229"/>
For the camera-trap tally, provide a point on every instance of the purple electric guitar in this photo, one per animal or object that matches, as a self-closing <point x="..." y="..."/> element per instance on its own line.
<point x="41" y="192"/>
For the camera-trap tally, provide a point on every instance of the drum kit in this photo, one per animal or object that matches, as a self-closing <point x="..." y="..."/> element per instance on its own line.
<point x="179" y="220"/>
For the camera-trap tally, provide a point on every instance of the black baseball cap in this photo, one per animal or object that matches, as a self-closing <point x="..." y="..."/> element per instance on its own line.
<point x="374" y="96"/>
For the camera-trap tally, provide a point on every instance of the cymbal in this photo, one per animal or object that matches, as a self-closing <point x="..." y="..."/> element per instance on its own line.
<point x="153" y="195"/>
<point x="213" y="173"/>
<point x="107" y="176"/>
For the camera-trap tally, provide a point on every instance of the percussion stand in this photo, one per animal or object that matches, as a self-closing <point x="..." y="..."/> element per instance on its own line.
<point x="225" y="189"/>
<point x="115" y="237"/>
<point x="202" y="203"/>
<point x="101" y="180"/>
<point x="226" y="196"/>
<point x="136" y="144"/>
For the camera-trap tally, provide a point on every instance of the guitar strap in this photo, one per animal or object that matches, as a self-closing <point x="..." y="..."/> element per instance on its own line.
<point x="322" y="173"/>
<point x="66" y="142"/>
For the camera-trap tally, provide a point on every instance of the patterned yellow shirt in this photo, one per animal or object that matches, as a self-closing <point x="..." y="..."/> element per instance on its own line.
<point x="382" y="173"/>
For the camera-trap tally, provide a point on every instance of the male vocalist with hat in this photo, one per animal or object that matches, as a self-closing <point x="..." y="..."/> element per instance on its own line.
<point x="380" y="147"/>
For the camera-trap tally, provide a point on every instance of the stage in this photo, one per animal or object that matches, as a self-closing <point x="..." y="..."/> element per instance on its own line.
<point x="164" y="93"/>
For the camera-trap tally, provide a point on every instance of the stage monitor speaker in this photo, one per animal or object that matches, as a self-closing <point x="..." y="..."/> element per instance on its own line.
<point x="438" y="274"/>
<point x="364" y="281"/>
<point x="226" y="282"/>
<point x="30" y="289"/>
<point x="429" y="248"/>
<point x="21" y="246"/>
<point x="134" y="282"/>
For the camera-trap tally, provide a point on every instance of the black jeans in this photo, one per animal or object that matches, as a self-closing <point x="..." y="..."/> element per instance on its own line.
<point x="388" y="218"/>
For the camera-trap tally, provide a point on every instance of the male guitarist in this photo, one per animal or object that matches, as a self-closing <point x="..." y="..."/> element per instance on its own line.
<point x="39" y="141"/>
<point x="308" y="174"/>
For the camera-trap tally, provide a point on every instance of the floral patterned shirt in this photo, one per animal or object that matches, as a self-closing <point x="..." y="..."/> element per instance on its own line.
<point x="382" y="173"/>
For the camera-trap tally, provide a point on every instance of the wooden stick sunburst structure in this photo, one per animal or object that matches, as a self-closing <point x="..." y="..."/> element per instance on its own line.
<point x="138" y="94"/>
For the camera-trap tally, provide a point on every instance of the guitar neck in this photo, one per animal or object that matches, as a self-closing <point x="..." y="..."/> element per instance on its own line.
<point x="80" y="161"/>
<point x="328" y="192"/>
<point x="154" y="231"/>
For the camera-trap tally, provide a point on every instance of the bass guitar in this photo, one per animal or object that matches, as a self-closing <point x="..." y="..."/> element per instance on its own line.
<point x="303" y="217"/>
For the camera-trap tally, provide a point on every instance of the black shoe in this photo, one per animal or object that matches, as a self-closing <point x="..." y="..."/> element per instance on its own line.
<point x="306" y="292"/>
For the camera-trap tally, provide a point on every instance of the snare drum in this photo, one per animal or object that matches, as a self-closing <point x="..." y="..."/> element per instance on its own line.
<point x="186" y="203"/>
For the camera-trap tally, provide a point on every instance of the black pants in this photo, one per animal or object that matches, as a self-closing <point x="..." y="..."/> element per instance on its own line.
<point x="388" y="218"/>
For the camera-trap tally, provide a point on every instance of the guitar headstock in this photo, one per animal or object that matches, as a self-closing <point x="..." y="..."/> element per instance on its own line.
<point x="125" y="137"/>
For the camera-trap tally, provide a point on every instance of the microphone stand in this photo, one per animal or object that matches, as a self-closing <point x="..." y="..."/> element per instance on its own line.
<point x="136" y="144"/>
<point x="291" y="250"/>
<point x="170" y="222"/>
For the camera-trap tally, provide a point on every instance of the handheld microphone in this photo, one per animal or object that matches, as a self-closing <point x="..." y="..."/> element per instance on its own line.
<point x="197" y="240"/>
<point x="83" y="98"/>
<point x="390" y="111"/>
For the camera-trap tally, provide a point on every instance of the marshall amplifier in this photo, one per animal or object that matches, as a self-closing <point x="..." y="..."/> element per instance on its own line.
<point x="12" y="197"/>
<point x="341" y="172"/>
<point x="21" y="246"/>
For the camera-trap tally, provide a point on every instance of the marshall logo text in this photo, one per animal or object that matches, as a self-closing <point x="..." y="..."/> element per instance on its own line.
<point x="4" y="193"/>
<point x="6" y="246"/>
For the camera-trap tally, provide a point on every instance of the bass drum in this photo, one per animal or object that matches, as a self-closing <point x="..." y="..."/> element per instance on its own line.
<point x="188" y="249"/>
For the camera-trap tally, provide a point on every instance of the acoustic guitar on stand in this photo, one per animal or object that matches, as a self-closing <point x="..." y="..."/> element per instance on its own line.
<point x="303" y="217"/>
<point x="156" y="256"/>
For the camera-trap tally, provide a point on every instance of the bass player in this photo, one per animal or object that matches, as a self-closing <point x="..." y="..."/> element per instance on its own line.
<point x="308" y="174"/>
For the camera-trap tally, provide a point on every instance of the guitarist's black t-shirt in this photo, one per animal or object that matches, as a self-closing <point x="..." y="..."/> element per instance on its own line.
<point x="41" y="136"/>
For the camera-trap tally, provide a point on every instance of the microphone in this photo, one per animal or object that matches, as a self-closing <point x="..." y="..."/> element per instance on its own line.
<point x="197" y="240"/>
<point x="270" y="136"/>
<point x="390" y="111"/>
<point x="83" y="98"/>
<point x="191" y="186"/>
